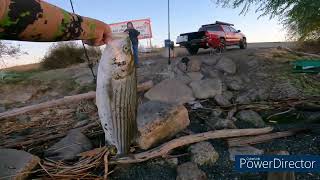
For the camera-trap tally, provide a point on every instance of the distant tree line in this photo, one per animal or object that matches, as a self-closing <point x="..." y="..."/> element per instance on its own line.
<point x="7" y="49"/>
<point x="300" y="17"/>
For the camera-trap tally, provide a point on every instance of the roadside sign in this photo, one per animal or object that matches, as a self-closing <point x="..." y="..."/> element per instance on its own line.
<point x="142" y="25"/>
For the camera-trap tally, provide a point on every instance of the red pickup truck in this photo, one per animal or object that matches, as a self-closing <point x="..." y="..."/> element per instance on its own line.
<point x="216" y="36"/>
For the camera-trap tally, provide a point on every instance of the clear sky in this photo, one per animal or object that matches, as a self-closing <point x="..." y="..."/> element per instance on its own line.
<point x="186" y="16"/>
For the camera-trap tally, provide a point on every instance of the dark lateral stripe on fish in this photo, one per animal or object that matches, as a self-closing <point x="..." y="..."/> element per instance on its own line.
<point x="134" y="105"/>
<point x="124" y="120"/>
<point x="129" y="133"/>
<point x="121" y="124"/>
<point x="124" y="112"/>
<point x="126" y="102"/>
<point x="115" y="115"/>
<point x="131" y="105"/>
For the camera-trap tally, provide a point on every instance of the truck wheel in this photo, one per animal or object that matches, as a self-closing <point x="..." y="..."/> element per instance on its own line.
<point x="243" y="43"/>
<point x="222" y="47"/>
<point x="193" y="50"/>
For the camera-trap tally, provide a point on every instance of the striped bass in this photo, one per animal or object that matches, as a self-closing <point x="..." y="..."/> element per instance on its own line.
<point x="116" y="93"/>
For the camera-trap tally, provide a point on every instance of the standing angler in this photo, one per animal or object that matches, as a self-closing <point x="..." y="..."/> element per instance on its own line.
<point x="133" y="34"/>
<point x="117" y="93"/>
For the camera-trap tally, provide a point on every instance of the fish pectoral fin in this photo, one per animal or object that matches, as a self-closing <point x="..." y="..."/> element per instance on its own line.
<point x="112" y="150"/>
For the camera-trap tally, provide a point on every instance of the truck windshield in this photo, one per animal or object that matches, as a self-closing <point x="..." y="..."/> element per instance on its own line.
<point x="214" y="28"/>
<point x="210" y="28"/>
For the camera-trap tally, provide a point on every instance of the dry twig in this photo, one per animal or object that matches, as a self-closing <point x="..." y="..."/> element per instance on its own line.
<point x="80" y="170"/>
<point x="182" y="141"/>
<point x="251" y="140"/>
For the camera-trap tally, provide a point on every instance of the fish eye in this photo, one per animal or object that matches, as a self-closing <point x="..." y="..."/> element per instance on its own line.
<point x="126" y="49"/>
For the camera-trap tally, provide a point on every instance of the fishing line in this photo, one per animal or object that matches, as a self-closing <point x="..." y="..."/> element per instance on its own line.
<point x="90" y="64"/>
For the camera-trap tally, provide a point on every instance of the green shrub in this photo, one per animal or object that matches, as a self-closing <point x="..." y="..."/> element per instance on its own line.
<point x="312" y="46"/>
<point x="62" y="55"/>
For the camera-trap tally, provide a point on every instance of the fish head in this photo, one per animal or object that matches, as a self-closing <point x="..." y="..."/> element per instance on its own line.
<point x="122" y="62"/>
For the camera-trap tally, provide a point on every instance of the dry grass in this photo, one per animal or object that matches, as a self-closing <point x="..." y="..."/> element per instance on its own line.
<point x="83" y="169"/>
<point x="311" y="46"/>
<point x="24" y="68"/>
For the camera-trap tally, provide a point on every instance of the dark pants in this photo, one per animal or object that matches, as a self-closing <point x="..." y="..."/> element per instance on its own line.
<point x="135" y="53"/>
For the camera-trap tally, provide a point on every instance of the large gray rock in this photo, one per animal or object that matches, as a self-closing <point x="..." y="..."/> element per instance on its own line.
<point x="195" y="76"/>
<point x="283" y="90"/>
<point x="203" y="153"/>
<point x="170" y="91"/>
<point x="158" y="121"/>
<point x="16" y="164"/>
<point x="219" y="123"/>
<point x="190" y="171"/>
<point x="234" y="86"/>
<point x="194" y="65"/>
<point x="251" y="117"/>
<point x="205" y="70"/>
<point x="207" y="88"/>
<point x="252" y="62"/>
<point x="215" y="74"/>
<point x="221" y="100"/>
<point x="234" y="83"/>
<point x="226" y="65"/>
<point x="211" y="61"/>
<point x="69" y="147"/>
<point x="183" y="78"/>
<point x="244" y="150"/>
<point x="181" y="75"/>
<point x="259" y="94"/>
<point x="211" y="72"/>
<point x="243" y="99"/>
<point x="228" y="95"/>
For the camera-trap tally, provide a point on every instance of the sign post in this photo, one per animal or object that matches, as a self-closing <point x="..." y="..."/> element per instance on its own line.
<point x="169" y="36"/>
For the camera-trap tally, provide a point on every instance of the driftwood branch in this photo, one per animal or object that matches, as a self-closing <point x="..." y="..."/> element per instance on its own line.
<point x="245" y="141"/>
<point x="47" y="137"/>
<point x="49" y="104"/>
<point x="301" y="53"/>
<point x="66" y="100"/>
<point x="182" y="141"/>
